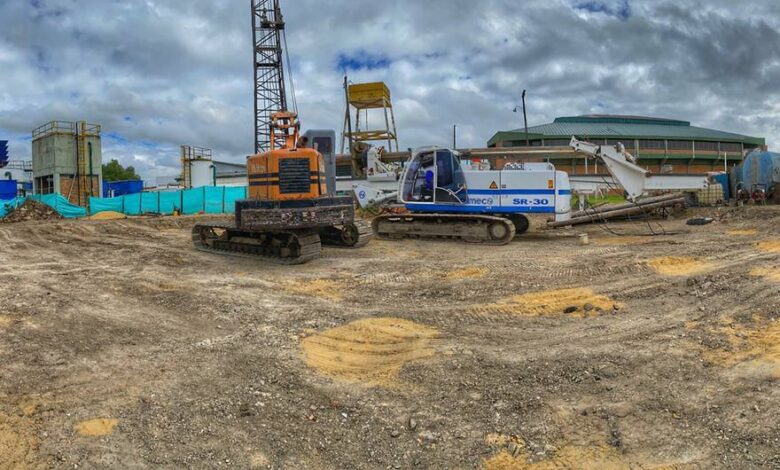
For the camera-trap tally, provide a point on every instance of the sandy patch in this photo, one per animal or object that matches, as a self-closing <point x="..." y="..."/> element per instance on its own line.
<point x="6" y="321"/>
<point x="108" y="216"/>
<point x="679" y="266"/>
<point x="580" y="458"/>
<point x="322" y="288"/>
<point x="259" y="460"/>
<point x="584" y="458"/>
<point x="773" y="274"/>
<point x="631" y="240"/>
<point x="18" y="443"/>
<point x="770" y="246"/>
<point x="752" y="351"/>
<point x="743" y="232"/>
<point x="467" y="273"/>
<point x="96" y="427"/>
<point x="579" y="302"/>
<point x="371" y="351"/>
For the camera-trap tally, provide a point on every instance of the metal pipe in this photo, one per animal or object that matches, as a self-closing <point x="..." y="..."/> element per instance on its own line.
<point x="619" y="213"/>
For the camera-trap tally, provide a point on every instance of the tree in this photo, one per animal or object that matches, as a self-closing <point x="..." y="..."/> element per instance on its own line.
<point x="113" y="171"/>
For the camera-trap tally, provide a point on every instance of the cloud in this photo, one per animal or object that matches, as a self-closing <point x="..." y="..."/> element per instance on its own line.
<point x="160" y="74"/>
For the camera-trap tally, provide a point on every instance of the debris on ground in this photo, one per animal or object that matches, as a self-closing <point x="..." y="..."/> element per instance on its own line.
<point x="700" y="221"/>
<point x="31" y="210"/>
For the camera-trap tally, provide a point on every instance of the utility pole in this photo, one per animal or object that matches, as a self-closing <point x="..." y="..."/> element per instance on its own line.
<point x="455" y="137"/>
<point x="525" y="119"/>
<point x="347" y="119"/>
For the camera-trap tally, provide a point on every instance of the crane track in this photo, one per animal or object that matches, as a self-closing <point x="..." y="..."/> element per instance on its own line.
<point x="482" y="229"/>
<point x="284" y="247"/>
<point x="354" y="235"/>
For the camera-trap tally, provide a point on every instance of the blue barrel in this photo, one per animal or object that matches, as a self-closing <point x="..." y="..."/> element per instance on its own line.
<point x="723" y="180"/>
<point x="7" y="190"/>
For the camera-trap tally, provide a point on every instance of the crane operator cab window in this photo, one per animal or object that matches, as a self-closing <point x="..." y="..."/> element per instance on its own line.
<point x="435" y="177"/>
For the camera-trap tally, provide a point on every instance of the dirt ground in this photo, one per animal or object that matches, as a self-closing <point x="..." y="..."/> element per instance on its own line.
<point x="121" y="346"/>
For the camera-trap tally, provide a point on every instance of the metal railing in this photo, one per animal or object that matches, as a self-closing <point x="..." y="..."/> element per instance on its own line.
<point x="65" y="127"/>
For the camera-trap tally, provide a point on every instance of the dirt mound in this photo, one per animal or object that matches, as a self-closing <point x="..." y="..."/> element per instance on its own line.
<point x="31" y="210"/>
<point x="371" y="351"/>
<point x="679" y="266"/>
<point x="579" y="302"/>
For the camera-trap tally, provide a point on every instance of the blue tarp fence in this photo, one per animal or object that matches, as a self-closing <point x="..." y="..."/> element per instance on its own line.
<point x="208" y="199"/>
<point x="56" y="201"/>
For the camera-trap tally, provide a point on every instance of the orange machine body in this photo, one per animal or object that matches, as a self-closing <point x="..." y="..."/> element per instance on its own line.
<point x="288" y="173"/>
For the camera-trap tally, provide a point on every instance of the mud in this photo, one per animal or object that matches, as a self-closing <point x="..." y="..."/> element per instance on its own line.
<point x="121" y="346"/>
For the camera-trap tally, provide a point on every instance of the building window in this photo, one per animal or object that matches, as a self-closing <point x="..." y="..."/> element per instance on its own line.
<point x="707" y="146"/>
<point x="681" y="145"/>
<point x="652" y="144"/>
<point x="45" y="185"/>
<point x="730" y="147"/>
<point x="557" y="142"/>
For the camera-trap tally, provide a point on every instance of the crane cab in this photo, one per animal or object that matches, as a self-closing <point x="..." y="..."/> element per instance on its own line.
<point x="434" y="176"/>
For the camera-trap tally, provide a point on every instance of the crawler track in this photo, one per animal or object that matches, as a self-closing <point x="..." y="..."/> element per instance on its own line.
<point x="280" y="247"/>
<point x="354" y="235"/>
<point x="483" y="229"/>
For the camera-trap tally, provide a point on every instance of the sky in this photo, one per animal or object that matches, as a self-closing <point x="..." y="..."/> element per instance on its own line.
<point x="158" y="74"/>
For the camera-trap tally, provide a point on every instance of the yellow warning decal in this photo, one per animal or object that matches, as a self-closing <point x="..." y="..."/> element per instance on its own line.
<point x="494" y="185"/>
<point x="550" y="184"/>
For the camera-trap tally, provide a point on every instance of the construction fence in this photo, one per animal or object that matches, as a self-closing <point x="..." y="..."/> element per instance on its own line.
<point x="205" y="200"/>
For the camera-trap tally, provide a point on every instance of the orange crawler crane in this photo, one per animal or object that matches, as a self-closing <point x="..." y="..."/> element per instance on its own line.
<point x="289" y="213"/>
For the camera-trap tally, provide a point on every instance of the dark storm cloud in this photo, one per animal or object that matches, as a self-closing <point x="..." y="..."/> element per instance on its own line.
<point x="158" y="74"/>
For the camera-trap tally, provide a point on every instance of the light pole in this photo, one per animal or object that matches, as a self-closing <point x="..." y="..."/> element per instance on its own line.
<point x="525" y="120"/>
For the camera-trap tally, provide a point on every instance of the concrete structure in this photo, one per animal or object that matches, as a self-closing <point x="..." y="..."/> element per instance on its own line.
<point x="68" y="159"/>
<point x="662" y="145"/>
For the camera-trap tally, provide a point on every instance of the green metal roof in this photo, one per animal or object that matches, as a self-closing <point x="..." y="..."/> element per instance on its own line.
<point x="611" y="127"/>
